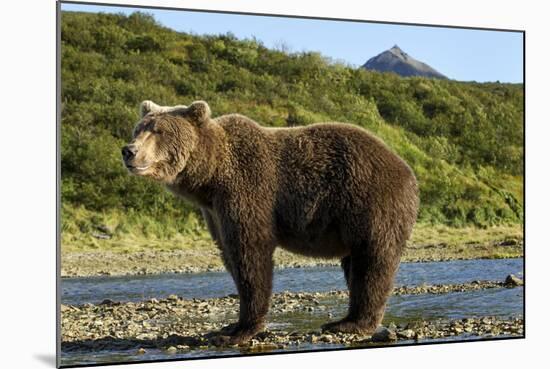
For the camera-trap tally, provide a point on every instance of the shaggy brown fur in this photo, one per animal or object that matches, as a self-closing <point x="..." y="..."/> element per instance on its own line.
<point x="325" y="190"/>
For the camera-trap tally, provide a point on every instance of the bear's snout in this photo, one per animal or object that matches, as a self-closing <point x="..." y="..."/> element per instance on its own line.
<point x="128" y="152"/>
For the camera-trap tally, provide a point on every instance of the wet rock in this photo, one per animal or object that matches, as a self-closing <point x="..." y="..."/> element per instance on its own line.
<point x="406" y="334"/>
<point x="109" y="302"/>
<point x="165" y="323"/>
<point x="513" y="281"/>
<point x="383" y="334"/>
<point x="415" y="325"/>
<point x="171" y="350"/>
<point x="486" y="320"/>
<point x="457" y="330"/>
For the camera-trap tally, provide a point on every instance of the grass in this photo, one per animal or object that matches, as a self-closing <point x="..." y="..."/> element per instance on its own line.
<point x="426" y="235"/>
<point x="126" y="242"/>
<point x="129" y="232"/>
<point x="82" y="230"/>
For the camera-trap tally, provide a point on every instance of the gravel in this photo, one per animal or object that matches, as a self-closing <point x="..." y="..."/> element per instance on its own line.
<point x="175" y="324"/>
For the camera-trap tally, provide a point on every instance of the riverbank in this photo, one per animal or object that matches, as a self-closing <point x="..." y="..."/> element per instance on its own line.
<point x="100" y="254"/>
<point x="180" y="325"/>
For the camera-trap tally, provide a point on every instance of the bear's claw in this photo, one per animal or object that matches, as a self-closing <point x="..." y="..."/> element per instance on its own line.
<point x="234" y="334"/>
<point x="347" y="326"/>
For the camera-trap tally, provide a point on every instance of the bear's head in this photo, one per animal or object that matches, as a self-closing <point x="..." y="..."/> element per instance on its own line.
<point x="164" y="139"/>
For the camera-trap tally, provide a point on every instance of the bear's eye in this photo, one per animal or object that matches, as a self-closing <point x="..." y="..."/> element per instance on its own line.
<point x="157" y="132"/>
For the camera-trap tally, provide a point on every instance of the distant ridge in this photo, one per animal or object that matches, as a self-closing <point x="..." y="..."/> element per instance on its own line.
<point x="397" y="61"/>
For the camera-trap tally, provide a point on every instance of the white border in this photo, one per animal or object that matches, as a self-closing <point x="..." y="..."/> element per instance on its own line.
<point x="27" y="182"/>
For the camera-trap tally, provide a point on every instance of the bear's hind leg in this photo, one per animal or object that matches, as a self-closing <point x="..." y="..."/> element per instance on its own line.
<point x="372" y="272"/>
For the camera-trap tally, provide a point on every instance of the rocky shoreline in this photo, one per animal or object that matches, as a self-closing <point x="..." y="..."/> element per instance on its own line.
<point x="468" y="328"/>
<point x="177" y="325"/>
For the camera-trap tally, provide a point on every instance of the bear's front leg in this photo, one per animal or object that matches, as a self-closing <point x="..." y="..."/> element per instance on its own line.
<point x="251" y="259"/>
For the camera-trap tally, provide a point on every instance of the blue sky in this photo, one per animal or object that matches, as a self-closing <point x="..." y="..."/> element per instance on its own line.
<point x="460" y="54"/>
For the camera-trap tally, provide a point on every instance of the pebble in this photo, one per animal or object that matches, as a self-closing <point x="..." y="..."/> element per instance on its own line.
<point x="109" y="302"/>
<point x="171" y="350"/>
<point x="407" y="334"/>
<point x="166" y="325"/>
<point x="383" y="334"/>
<point x="513" y="281"/>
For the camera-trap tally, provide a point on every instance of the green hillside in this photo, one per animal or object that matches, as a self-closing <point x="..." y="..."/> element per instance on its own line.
<point x="463" y="140"/>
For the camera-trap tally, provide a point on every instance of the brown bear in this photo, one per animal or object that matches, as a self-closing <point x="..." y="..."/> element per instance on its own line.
<point x="329" y="190"/>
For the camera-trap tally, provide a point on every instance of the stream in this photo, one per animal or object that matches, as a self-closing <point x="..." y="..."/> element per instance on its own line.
<point x="497" y="302"/>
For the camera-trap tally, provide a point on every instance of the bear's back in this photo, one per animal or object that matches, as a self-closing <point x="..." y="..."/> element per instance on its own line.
<point x="327" y="160"/>
<point x="329" y="152"/>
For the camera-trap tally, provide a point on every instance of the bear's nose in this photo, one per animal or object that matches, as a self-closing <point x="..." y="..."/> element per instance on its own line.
<point x="128" y="152"/>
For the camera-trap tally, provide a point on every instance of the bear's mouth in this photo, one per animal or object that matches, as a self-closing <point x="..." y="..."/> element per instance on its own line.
<point x="138" y="168"/>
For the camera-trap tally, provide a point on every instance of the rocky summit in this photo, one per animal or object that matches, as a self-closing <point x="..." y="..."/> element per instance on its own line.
<point x="397" y="61"/>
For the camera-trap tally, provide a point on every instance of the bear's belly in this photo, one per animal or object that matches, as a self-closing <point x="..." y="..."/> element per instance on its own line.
<point x="324" y="245"/>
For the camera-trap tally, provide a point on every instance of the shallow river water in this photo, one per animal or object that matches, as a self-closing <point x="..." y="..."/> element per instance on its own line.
<point x="500" y="302"/>
<point x="76" y="291"/>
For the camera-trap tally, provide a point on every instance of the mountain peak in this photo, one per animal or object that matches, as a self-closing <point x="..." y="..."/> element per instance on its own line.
<point x="397" y="61"/>
<point x="396" y="48"/>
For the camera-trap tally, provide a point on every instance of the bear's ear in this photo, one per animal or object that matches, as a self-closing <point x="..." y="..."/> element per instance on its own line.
<point x="148" y="106"/>
<point x="199" y="111"/>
